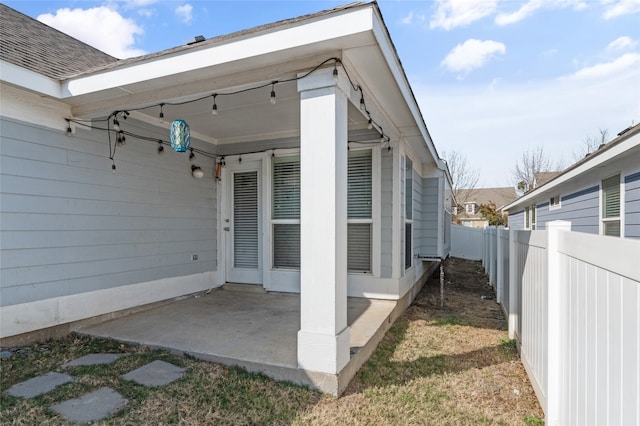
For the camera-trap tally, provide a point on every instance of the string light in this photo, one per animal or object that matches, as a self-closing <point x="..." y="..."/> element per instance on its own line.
<point x="273" y="93"/>
<point x="121" y="140"/>
<point x="214" y="108"/>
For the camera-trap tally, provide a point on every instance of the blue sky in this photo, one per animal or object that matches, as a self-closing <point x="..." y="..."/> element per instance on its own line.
<point x="494" y="78"/>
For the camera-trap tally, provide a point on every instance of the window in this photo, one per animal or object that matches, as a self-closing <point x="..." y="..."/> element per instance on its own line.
<point x="408" y="217"/>
<point x="530" y="218"/>
<point x="611" y="206"/>
<point x="285" y="213"/>
<point x="359" y="212"/>
<point x="471" y="208"/>
<point x="554" y="202"/>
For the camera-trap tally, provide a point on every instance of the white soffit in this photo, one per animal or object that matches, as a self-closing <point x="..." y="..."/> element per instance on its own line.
<point x="265" y="48"/>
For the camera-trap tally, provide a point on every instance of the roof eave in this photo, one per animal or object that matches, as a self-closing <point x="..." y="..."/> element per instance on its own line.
<point x="612" y="150"/>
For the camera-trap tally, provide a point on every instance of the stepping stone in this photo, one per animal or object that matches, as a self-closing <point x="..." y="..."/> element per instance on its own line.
<point x="92" y="359"/>
<point x="91" y="406"/>
<point x="39" y="385"/>
<point x="156" y="373"/>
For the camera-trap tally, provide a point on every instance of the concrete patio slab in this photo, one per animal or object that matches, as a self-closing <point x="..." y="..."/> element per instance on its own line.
<point x="91" y="406"/>
<point x="92" y="359"/>
<point x="156" y="373"/>
<point x="39" y="385"/>
<point x="254" y="330"/>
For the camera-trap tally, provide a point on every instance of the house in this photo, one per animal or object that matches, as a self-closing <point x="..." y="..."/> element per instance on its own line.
<point x="468" y="213"/>
<point x="308" y="169"/>
<point x="599" y="194"/>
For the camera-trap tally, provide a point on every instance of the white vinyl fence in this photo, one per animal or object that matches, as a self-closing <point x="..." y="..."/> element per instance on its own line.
<point x="466" y="242"/>
<point x="573" y="304"/>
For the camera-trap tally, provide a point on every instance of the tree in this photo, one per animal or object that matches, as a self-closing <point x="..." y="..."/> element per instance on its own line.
<point x="493" y="216"/>
<point x="591" y="144"/>
<point x="531" y="163"/>
<point x="462" y="176"/>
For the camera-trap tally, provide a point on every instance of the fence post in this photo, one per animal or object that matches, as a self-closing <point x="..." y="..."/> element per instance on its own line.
<point x="492" y="260"/>
<point x="499" y="264"/>
<point x="555" y="352"/>
<point x="513" y="278"/>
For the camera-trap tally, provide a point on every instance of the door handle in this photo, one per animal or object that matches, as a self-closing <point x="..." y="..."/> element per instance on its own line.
<point x="226" y="228"/>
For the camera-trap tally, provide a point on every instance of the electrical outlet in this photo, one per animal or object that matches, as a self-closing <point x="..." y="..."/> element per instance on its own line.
<point x="194" y="257"/>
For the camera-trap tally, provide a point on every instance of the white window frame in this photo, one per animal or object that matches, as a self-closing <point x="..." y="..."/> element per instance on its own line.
<point x="407" y="166"/>
<point x="606" y="220"/>
<point x="370" y="221"/>
<point x="530" y="218"/>
<point x="555" y="202"/>
<point x="275" y="222"/>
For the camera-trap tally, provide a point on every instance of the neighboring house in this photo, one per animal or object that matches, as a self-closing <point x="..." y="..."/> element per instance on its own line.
<point x="316" y="176"/>
<point x="541" y="178"/>
<point x="599" y="194"/>
<point x="470" y="200"/>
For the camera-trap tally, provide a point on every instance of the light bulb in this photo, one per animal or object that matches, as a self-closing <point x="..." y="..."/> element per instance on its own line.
<point x="197" y="172"/>
<point x="273" y="97"/>
<point x="116" y="124"/>
<point x="370" y="126"/>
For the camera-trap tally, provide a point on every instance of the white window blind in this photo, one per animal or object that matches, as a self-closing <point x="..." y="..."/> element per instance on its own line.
<point x="359" y="185"/>
<point x="359" y="215"/>
<point x="611" y="206"/>
<point x="408" y="189"/>
<point x="285" y="214"/>
<point x="245" y="220"/>
<point x="286" y="188"/>
<point x="408" y="218"/>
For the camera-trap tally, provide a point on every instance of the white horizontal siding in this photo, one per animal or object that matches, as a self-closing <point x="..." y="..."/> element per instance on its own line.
<point x="69" y="225"/>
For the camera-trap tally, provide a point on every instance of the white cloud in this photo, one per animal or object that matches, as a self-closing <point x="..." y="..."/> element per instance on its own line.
<point x="517" y="16"/>
<point x="147" y="13"/>
<point x="620" y="8"/>
<point x="623" y="64"/>
<point x="458" y="13"/>
<point x="184" y="12"/>
<point x="494" y="124"/>
<point x="472" y="54"/>
<point x="139" y="3"/>
<point x="531" y="6"/>
<point x="411" y="18"/>
<point x="100" y="27"/>
<point x="622" y="43"/>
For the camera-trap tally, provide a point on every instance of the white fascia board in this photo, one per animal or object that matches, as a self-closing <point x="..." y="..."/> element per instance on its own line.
<point x="29" y="80"/>
<point x="279" y="39"/>
<point x="390" y="55"/>
<point x="597" y="160"/>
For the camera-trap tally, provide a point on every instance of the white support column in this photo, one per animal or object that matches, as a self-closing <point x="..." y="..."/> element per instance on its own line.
<point x="555" y="354"/>
<point x="323" y="339"/>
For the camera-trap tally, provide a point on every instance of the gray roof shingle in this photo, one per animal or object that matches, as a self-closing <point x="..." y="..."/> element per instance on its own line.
<point x="35" y="46"/>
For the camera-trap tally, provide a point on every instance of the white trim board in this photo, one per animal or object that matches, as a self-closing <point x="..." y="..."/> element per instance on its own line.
<point x="32" y="316"/>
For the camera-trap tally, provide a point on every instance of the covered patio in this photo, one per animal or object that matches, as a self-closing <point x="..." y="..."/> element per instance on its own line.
<point x="256" y="330"/>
